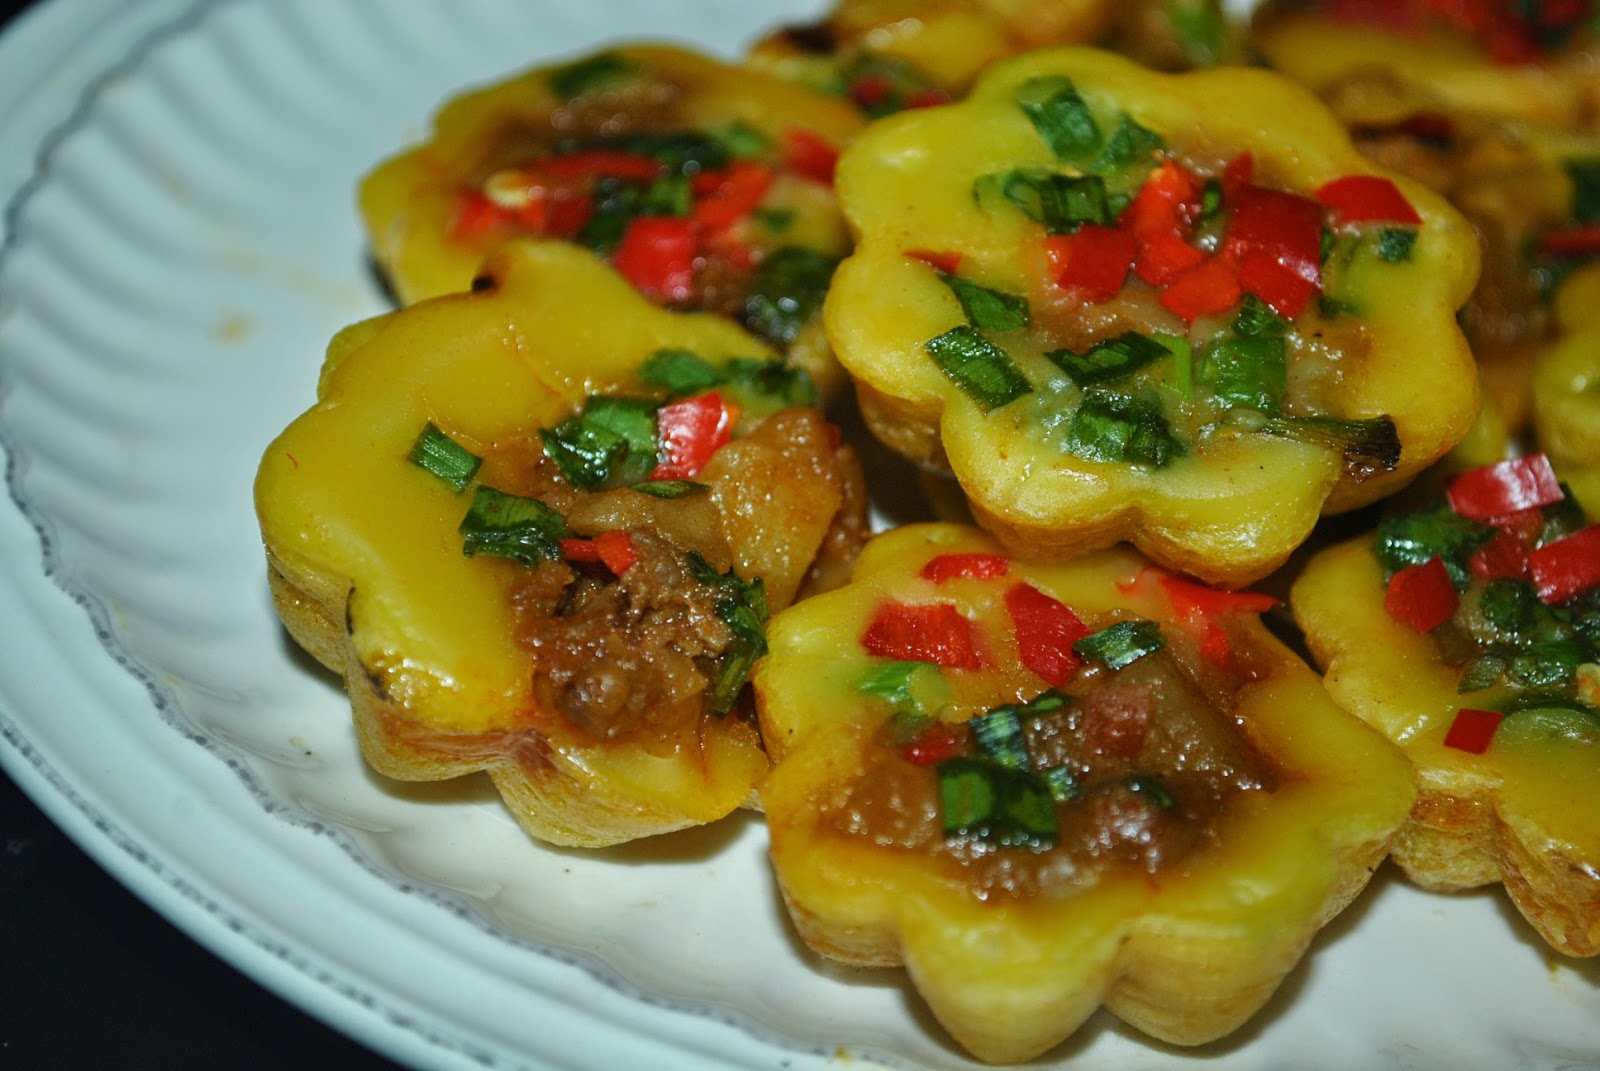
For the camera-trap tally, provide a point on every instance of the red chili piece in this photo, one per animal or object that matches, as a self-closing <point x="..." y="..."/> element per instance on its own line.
<point x="616" y="550"/>
<point x="946" y="262"/>
<point x="579" y="550"/>
<point x="1208" y="287"/>
<point x="1092" y="261"/>
<point x="1260" y="273"/>
<point x="1367" y="199"/>
<point x="690" y="431"/>
<point x="1284" y="226"/>
<point x="475" y="214"/>
<point x="1422" y="596"/>
<point x="1168" y="203"/>
<point x="1510" y="486"/>
<point x="657" y="255"/>
<point x="1197" y="606"/>
<point x="1568" y="567"/>
<point x="1472" y="730"/>
<point x="1046" y="630"/>
<point x="931" y="632"/>
<point x="1571" y="241"/>
<point x="1501" y="557"/>
<point x="726" y="197"/>
<point x="976" y="566"/>
<point x="936" y="743"/>
<point x="809" y="154"/>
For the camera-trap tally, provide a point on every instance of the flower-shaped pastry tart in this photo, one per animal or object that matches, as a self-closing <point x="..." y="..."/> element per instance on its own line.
<point x="538" y="528"/>
<point x="1173" y="309"/>
<point x="1566" y="387"/>
<point x="1469" y="633"/>
<point x="1047" y="787"/>
<point x="708" y="185"/>
<point x="1495" y="58"/>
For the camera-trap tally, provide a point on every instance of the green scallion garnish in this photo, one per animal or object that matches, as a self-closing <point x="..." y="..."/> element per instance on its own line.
<point x="786" y="290"/>
<point x="984" y="371"/>
<point x="1154" y="788"/>
<point x="1129" y="143"/>
<point x="1060" y="202"/>
<point x="987" y="309"/>
<point x="588" y="74"/>
<point x="1396" y="243"/>
<point x="997" y="804"/>
<point x="447" y="459"/>
<point x="1121" y="644"/>
<point x="1110" y="358"/>
<point x="1110" y="426"/>
<point x="998" y="734"/>
<point x="679" y="372"/>
<point x="670" y="488"/>
<point x="1435" y="532"/>
<point x="510" y="526"/>
<point x="1060" y="115"/>
<point x="1251" y="371"/>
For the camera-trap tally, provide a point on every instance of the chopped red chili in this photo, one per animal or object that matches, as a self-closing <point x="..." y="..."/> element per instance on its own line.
<point x="1422" y="596"/>
<point x="976" y="566"/>
<point x="1568" y="567"/>
<point x="1093" y="261"/>
<point x="1367" y="199"/>
<point x="616" y="550"/>
<point x="586" y="165"/>
<point x="936" y="743"/>
<point x="1167" y="204"/>
<point x="809" y="154"/>
<point x="1165" y="257"/>
<point x="1282" y="225"/>
<point x="1502" y="557"/>
<point x="1197" y="606"/>
<point x="1578" y="241"/>
<point x="930" y="632"/>
<point x="1472" y="730"/>
<point x="475" y="214"/>
<point x="1506" y="487"/>
<point x="1046" y="630"/>
<point x="1260" y="273"/>
<point x="942" y="261"/>
<point x="730" y="195"/>
<point x="657" y="256"/>
<point x="691" y="430"/>
<point x="1209" y="287"/>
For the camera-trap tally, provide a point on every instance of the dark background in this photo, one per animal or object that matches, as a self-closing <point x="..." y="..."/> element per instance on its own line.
<point x="90" y="978"/>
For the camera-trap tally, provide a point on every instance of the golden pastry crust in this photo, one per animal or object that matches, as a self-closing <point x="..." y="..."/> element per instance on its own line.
<point x="1232" y="504"/>
<point x="1013" y="949"/>
<point x="1566" y="388"/>
<point x="1520" y="813"/>
<point x="446" y="656"/>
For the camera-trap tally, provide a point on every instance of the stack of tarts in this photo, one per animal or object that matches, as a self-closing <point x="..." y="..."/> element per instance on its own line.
<point x="576" y="515"/>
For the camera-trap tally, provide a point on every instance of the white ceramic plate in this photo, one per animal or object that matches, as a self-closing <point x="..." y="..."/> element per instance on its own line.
<point x="180" y="243"/>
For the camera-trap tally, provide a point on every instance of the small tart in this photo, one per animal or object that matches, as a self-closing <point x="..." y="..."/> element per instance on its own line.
<point x="580" y="639"/>
<point x="1566" y="388"/>
<point x="1437" y="631"/>
<point x="1097" y="295"/>
<point x="1506" y="66"/>
<point x="708" y="184"/>
<point x="965" y="785"/>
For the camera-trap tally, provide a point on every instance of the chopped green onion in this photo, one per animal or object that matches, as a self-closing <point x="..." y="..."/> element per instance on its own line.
<point x="996" y="804"/>
<point x="998" y="734"/>
<point x="1585" y="176"/>
<point x="1060" y="202"/>
<point x="1251" y="372"/>
<point x="1121" y="644"/>
<point x="775" y="220"/>
<point x="668" y="195"/>
<point x="776" y="382"/>
<point x="679" y="372"/>
<point x="1511" y="607"/>
<point x="1439" y="531"/>
<point x="746" y="142"/>
<point x="670" y="488"/>
<point x="1060" y="115"/>
<point x="1182" y="363"/>
<point x="1110" y="358"/>
<point x="1153" y="787"/>
<point x="1210" y="198"/>
<point x="989" y="310"/>
<point x="1129" y="143"/>
<point x="1110" y="426"/>
<point x="1550" y="663"/>
<point x="1062" y="785"/>
<point x="1257" y="318"/>
<point x="588" y="74"/>
<point x="786" y="290"/>
<point x="688" y="152"/>
<point x="1201" y="27"/>
<point x="1396" y="243"/>
<point x="444" y="457"/>
<point x="891" y="682"/>
<point x="1485" y="671"/>
<point x="984" y="371"/>
<point x="743" y="607"/>
<point x="613" y="441"/>
<point x="1367" y="446"/>
<point x="510" y="526"/>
